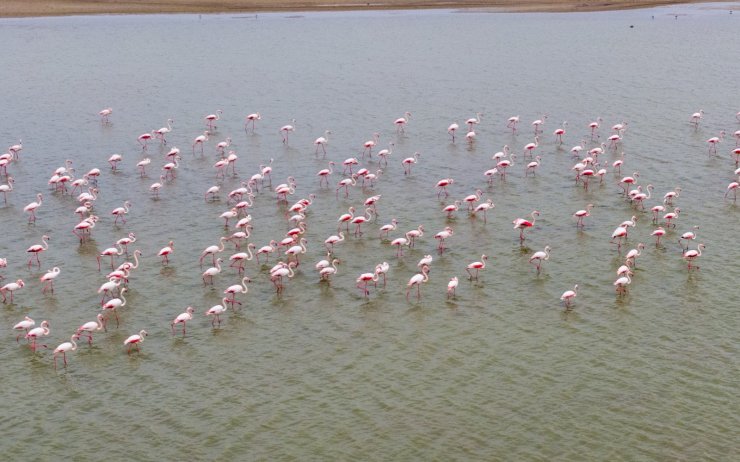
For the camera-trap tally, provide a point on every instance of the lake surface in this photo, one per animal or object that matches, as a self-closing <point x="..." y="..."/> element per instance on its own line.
<point x="500" y="372"/>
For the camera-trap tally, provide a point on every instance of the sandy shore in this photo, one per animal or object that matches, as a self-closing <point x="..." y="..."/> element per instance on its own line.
<point x="20" y="8"/>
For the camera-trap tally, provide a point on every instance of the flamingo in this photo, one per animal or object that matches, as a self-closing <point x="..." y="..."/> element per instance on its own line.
<point x="658" y="233"/>
<point x="135" y="340"/>
<point x="48" y="279"/>
<point x="451" y="287"/>
<point x="512" y="123"/>
<point x="688" y="236"/>
<point x="732" y="187"/>
<point x="120" y="212"/>
<point x="276" y="276"/>
<point x="91" y="326"/>
<point x="212" y="250"/>
<point x="641" y="197"/>
<point x="415" y="233"/>
<point x="369" y="145"/>
<point x="473" y="121"/>
<point x="85" y="227"/>
<point x="670" y="195"/>
<point x="622" y="282"/>
<point x="24" y="325"/>
<point x="408" y="162"/>
<point x="296" y="250"/>
<point x="238" y="259"/>
<point x="399" y="243"/>
<point x="36" y="249"/>
<point x="236" y="289"/>
<point x="691" y="255"/>
<point x="142" y="166"/>
<point x="484" y="207"/>
<point x="530" y="147"/>
<point x="595" y="126"/>
<point x="477" y="266"/>
<point x="696" y="117"/>
<point x="113" y="160"/>
<point x="401" y="123"/>
<point x="442" y="186"/>
<point x="359" y="220"/>
<point x="63" y="348"/>
<point x="325" y="274"/>
<point x="228" y="215"/>
<point x="216" y="311"/>
<point x="346" y="183"/>
<point x="162" y="132"/>
<point x="107" y="288"/>
<point x="200" y="140"/>
<point x="155" y="187"/>
<point x="532" y="166"/>
<point x="385" y="153"/>
<point x="105" y="115"/>
<point x="538" y="123"/>
<point x="31" y="208"/>
<point x="417" y="280"/>
<point x="473" y="198"/>
<point x="364" y="279"/>
<point x="115" y="303"/>
<point x="286" y="129"/>
<point x="628" y="180"/>
<point x="568" y="296"/>
<point x="213" y="271"/>
<point x="333" y="239"/>
<point x="714" y="141"/>
<point x="6" y="188"/>
<point x="540" y="256"/>
<point x="165" y="252"/>
<point x="442" y="236"/>
<point x="560" y="132"/>
<point x="142" y="139"/>
<point x="670" y="216"/>
<point x="251" y="119"/>
<point x="211" y="118"/>
<point x="387" y="228"/>
<point x="323" y="174"/>
<point x="576" y="150"/>
<point x="631" y="257"/>
<point x="382" y="269"/>
<point x="38" y="332"/>
<point x="267" y="250"/>
<point x="452" y="129"/>
<point x="322" y="141"/>
<point x="470" y="137"/>
<point x="451" y="208"/>
<point x="521" y="224"/>
<point x="619" y="233"/>
<point x="182" y="318"/>
<point x="581" y="214"/>
<point x="221" y="146"/>
<point x="170" y="168"/>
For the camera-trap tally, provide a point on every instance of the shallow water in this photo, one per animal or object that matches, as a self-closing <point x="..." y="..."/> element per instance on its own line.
<point x="500" y="372"/>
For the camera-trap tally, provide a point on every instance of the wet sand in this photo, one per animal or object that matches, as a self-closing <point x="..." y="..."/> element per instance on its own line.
<point x="20" y="8"/>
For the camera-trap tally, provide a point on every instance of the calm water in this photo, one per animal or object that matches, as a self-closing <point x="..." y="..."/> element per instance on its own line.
<point x="501" y="372"/>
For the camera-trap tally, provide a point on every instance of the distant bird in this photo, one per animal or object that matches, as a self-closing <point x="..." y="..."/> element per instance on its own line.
<point x="568" y="296"/>
<point x="36" y="249"/>
<point x="165" y="252"/>
<point x="48" y="279"/>
<point x="182" y="318"/>
<point x="11" y="287"/>
<point x="540" y="256"/>
<point x="286" y="129"/>
<point x="135" y="340"/>
<point x="64" y="348"/>
<point x="216" y="311"/>
<point x="692" y="255"/>
<point x="451" y="287"/>
<point x="24" y="326"/>
<point x="105" y="115"/>
<point x="37" y="332"/>
<point x="477" y="266"/>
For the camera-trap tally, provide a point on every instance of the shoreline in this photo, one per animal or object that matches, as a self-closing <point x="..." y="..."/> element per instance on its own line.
<point x="41" y="8"/>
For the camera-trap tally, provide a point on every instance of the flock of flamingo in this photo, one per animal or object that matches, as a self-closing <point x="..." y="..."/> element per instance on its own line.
<point x="357" y="172"/>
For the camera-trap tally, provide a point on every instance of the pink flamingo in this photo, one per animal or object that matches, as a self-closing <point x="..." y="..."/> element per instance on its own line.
<point x="401" y="123"/>
<point x="24" y="325"/>
<point x="714" y="141"/>
<point x="408" y="162"/>
<point x="216" y="311"/>
<point x="696" y="117"/>
<point x="473" y="121"/>
<point x="477" y="266"/>
<point x="537" y="124"/>
<point x="238" y="259"/>
<point x="622" y="282"/>
<point x="346" y="183"/>
<point x="332" y="240"/>
<point x="211" y="118"/>
<point x="325" y="274"/>
<point x="691" y="255"/>
<point x="628" y="180"/>
<point x="442" y="186"/>
<point x="135" y="340"/>
<point x="38" y="332"/>
<point x="732" y="187"/>
<point x="296" y="251"/>
<point x="472" y="199"/>
<point x="251" y="120"/>
<point x="387" y="228"/>
<point x="6" y="188"/>
<point x="369" y="145"/>
<point x="385" y="153"/>
<point x="36" y="249"/>
<point x="114" y="303"/>
<point x="581" y="214"/>
<point x="165" y="252"/>
<point x="48" y="279"/>
<point x="321" y="142"/>
<point x="212" y="272"/>
<point x="286" y="129"/>
<point x="399" y="243"/>
<point x="568" y="296"/>
<point x="631" y="258"/>
<point x="530" y="147"/>
<point x="142" y="166"/>
<point x="359" y="220"/>
<point x="521" y="224"/>
<point x="120" y="212"/>
<point x="540" y="256"/>
<point x="170" y="168"/>
<point x="200" y="140"/>
<point x="382" y="269"/>
<point x="266" y="250"/>
<point x="212" y="250"/>
<point x="452" y="287"/>
<point x="415" y="233"/>
<point x="85" y="228"/>
<point x="512" y="123"/>
<point x="63" y="348"/>
<point x="183" y="319"/>
<point x="364" y="279"/>
<point x="90" y="327"/>
<point x="323" y="174"/>
<point x="532" y="166"/>
<point x="670" y="195"/>
<point x="595" y="126"/>
<point x="143" y="139"/>
<point x="105" y="115"/>
<point x="276" y="276"/>
<point x="113" y="160"/>
<point x="688" y="236"/>
<point x="671" y="216"/>
<point x="451" y="208"/>
<point x="452" y="129"/>
<point x="442" y="236"/>
<point x="417" y="280"/>
<point x="162" y="132"/>
<point x="155" y="187"/>
<point x="484" y="207"/>
<point x="560" y="132"/>
<point x="658" y="233"/>
<point x="31" y="208"/>
<point x="236" y="289"/>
